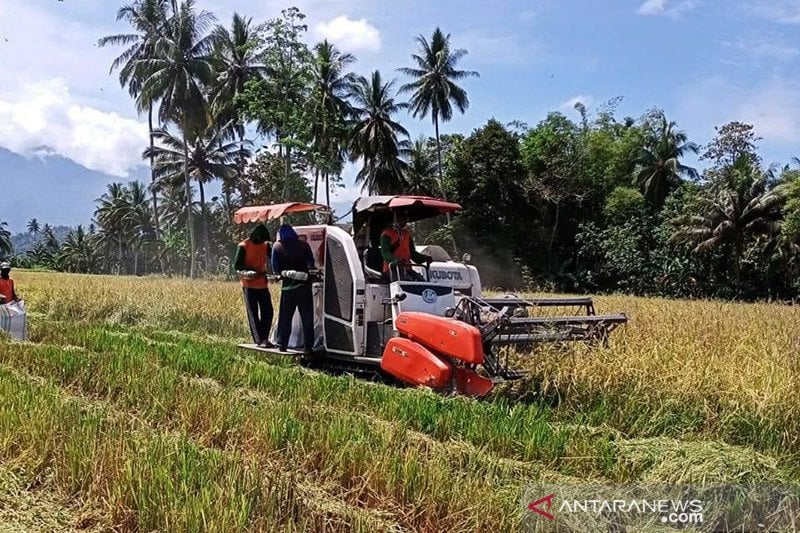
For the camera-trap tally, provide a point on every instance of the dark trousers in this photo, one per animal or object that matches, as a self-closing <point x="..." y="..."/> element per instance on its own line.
<point x="299" y="298"/>
<point x="259" y="313"/>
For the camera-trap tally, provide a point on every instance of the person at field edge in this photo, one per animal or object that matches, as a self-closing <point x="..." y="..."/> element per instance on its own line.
<point x="293" y="258"/>
<point x="7" y="292"/>
<point x="252" y="255"/>
<point x="397" y="248"/>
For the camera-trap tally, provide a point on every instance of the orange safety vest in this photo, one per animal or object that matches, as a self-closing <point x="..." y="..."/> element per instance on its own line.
<point x="7" y="289"/>
<point x="401" y="244"/>
<point x="255" y="258"/>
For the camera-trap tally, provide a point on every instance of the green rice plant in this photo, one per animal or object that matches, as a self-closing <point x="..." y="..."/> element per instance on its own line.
<point x="686" y="392"/>
<point x="145" y="478"/>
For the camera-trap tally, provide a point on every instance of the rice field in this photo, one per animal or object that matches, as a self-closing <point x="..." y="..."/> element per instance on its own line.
<point x="131" y="409"/>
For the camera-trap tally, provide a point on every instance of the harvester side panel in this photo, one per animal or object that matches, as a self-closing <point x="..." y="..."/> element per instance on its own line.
<point x="413" y="363"/>
<point x="445" y="336"/>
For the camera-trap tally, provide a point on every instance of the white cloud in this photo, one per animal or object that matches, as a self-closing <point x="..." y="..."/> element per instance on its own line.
<point x="783" y="11"/>
<point x="652" y="7"/>
<point x="763" y="47"/>
<point x="46" y="114"/>
<point x="585" y="99"/>
<point x="46" y="43"/>
<point x="665" y="7"/>
<point x="351" y="35"/>
<point x="772" y="107"/>
<point x="506" y="48"/>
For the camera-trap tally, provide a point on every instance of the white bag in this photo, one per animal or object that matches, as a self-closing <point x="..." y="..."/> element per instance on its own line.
<point x="12" y="320"/>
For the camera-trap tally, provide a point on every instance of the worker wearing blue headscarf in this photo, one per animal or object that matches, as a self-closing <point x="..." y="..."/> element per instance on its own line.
<point x="293" y="258"/>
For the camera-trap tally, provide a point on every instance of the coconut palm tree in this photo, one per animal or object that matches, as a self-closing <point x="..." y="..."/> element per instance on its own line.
<point x="79" y="252"/>
<point x="111" y="215"/>
<point x="421" y="171"/>
<point x="5" y="240"/>
<point x="376" y="137"/>
<point x="177" y="76"/>
<point x="744" y="208"/>
<point x="49" y="236"/>
<point x="434" y="88"/>
<point x="210" y="157"/>
<point x="329" y="110"/>
<point x="236" y="60"/>
<point x="139" y="219"/>
<point x="149" y="19"/>
<point x="33" y="227"/>
<point x="659" y="169"/>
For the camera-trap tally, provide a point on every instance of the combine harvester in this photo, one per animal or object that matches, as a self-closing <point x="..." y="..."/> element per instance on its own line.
<point x="437" y="333"/>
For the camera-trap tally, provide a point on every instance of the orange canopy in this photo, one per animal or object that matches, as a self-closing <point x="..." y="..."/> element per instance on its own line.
<point x="262" y="213"/>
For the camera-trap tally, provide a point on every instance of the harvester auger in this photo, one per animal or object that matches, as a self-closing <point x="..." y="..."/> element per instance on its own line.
<point x="438" y="331"/>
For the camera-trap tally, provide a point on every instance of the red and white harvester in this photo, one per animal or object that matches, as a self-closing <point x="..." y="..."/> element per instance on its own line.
<point x="442" y="332"/>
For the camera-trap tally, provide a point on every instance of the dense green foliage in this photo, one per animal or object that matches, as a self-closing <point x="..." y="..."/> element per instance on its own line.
<point x="610" y="205"/>
<point x="601" y="204"/>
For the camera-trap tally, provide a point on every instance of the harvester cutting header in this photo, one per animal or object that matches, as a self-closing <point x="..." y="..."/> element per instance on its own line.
<point x="423" y="323"/>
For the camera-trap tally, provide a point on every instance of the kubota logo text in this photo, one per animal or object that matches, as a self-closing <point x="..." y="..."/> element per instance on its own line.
<point x="446" y="275"/>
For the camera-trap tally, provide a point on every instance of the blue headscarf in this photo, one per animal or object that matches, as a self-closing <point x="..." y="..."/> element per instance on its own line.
<point x="287" y="233"/>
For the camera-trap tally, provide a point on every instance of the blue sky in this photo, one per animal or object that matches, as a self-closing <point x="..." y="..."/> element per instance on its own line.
<point x="705" y="62"/>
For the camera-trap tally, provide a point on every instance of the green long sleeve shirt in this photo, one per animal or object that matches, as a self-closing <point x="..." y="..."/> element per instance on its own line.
<point x="238" y="259"/>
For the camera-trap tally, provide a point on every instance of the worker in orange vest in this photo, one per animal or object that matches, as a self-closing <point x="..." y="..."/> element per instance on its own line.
<point x="252" y="258"/>
<point x="397" y="248"/>
<point x="7" y="292"/>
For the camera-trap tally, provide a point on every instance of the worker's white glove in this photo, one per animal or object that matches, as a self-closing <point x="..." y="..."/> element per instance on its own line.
<point x="247" y="274"/>
<point x="294" y="275"/>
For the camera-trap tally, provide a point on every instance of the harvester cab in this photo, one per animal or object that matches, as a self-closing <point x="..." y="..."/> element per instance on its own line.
<point x="434" y="328"/>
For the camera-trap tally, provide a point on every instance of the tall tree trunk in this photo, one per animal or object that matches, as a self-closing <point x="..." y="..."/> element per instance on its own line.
<point x="287" y="172"/>
<point x="441" y="177"/>
<point x="156" y="223"/>
<point x="119" y="257"/>
<point x="206" y="239"/>
<point x="188" y="184"/>
<point x="738" y="250"/>
<point x="439" y="159"/>
<point x="316" y="183"/>
<point x="327" y="190"/>
<point x="240" y="181"/>
<point x="226" y="196"/>
<point x="555" y="229"/>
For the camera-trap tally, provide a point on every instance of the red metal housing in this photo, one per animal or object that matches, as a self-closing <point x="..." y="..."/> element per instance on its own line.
<point x="470" y="383"/>
<point x="445" y="336"/>
<point x="412" y="363"/>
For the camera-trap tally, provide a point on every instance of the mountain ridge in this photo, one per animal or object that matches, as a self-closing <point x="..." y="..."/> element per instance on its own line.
<point x="51" y="188"/>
